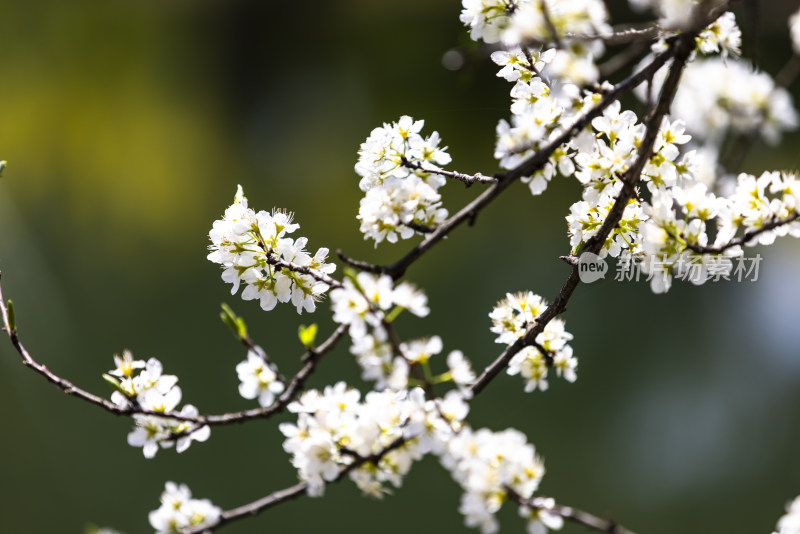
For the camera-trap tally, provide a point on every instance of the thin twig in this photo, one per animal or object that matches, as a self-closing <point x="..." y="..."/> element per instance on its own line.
<point x="311" y="357"/>
<point x="292" y="492"/>
<point x="569" y="513"/>
<point x="748" y="237"/>
<point x="617" y="36"/>
<point x="277" y="261"/>
<point x="551" y="28"/>
<point x="468" y="179"/>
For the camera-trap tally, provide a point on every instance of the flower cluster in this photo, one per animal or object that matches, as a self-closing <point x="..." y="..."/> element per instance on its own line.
<point x="757" y="203"/>
<point x="141" y="385"/>
<point x="722" y="37"/>
<point x="522" y="21"/>
<point x="794" y="31"/>
<point x="259" y="379"/>
<point x="790" y="523"/>
<point x="179" y="511"/>
<point x="363" y="301"/>
<point x="384" y="433"/>
<point x="668" y="233"/>
<point x="539" y="113"/>
<point x="335" y="428"/>
<point x="368" y="303"/>
<point x="486" y="465"/>
<point x="254" y="248"/>
<point x="674" y="236"/>
<point x="511" y="318"/>
<point x="586" y="218"/>
<point x="569" y="23"/>
<point x="601" y="167"/>
<point x="717" y="95"/>
<point x="398" y="176"/>
<point x="676" y="221"/>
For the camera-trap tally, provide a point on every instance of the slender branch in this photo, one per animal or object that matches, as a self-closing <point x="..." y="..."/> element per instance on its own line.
<point x="311" y="357"/>
<point x="468" y="179"/>
<point x="746" y="238"/>
<point x="65" y="385"/>
<point x="788" y="73"/>
<point x="551" y="28"/>
<point x="358" y="264"/>
<point x="277" y="261"/>
<point x="421" y="228"/>
<point x="617" y="36"/>
<point x="292" y="492"/>
<point x="569" y="513"/>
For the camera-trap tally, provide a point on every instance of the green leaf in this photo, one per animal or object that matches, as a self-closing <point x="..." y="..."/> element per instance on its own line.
<point x="235" y="323"/>
<point x="114" y="382"/>
<point x="12" y="318"/>
<point x="307" y="334"/>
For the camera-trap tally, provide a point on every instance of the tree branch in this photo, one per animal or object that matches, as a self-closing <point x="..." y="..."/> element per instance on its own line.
<point x="746" y="238"/>
<point x="468" y="179"/>
<point x="295" y="385"/>
<point x="292" y="492"/>
<point x="569" y="513"/>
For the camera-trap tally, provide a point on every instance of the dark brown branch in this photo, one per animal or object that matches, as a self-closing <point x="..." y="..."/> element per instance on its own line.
<point x="618" y="36"/>
<point x="421" y="228"/>
<point x="468" y="179"/>
<point x="358" y="264"/>
<point x="551" y="28"/>
<point x="746" y="238"/>
<point x="570" y="514"/>
<point x="277" y="261"/>
<point x="311" y="357"/>
<point x="65" y="385"/>
<point x="292" y="492"/>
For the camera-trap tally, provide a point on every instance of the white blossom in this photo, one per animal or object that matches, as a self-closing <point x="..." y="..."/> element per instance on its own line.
<point x="716" y="95"/>
<point x="179" y="511"/>
<point x="258" y="379"/>
<point x="247" y="245"/>
<point x="794" y="31"/>
<point x="398" y="176"/>
<point x="154" y="391"/>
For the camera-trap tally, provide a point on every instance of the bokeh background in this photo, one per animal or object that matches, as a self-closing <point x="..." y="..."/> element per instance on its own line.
<point x="127" y="125"/>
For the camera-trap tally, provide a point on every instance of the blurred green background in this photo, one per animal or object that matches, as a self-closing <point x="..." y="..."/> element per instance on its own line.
<point x="127" y="125"/>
